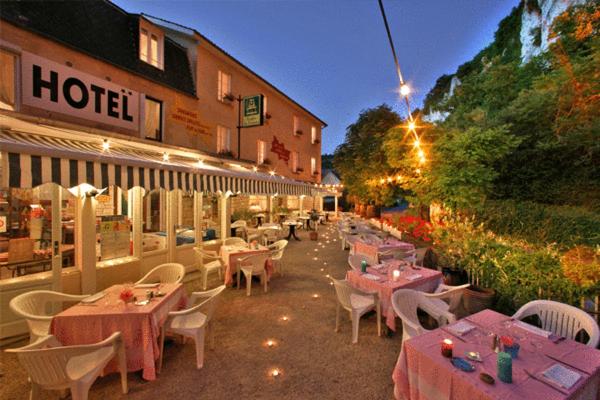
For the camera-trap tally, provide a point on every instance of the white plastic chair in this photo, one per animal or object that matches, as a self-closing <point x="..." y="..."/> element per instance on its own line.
<point x="357" y="303"/>
<point x="252" y="265"/>
<point x="406" y="302"/>
<point x="235" y="241"/>
<point x="270" y="236"/>
<point x="447" y="297"/>
<point x="52" y="366"/>
<point x="207" y="262"/>
<point x="277" y="250"/>
<point x="164" y="273"/>
<point x="561" y="319"/>
<point x="355" y="261"/>
<point x="38" y="308"/>
<point x="193" y="322"/>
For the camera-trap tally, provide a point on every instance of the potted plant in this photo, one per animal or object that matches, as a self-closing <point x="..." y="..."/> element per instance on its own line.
<point x="267" y="115"/>
<point x="228" y="97"/>
<point x="298" y="132"/>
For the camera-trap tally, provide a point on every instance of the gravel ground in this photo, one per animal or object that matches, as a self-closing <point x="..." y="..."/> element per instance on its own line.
<point x="316" y="362"/>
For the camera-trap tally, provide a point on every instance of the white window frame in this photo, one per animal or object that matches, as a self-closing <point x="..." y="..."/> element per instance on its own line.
<point x="223" y="85"/>
<point x="294" y="157"/>
<point x="313" y="134"/>
<point x="16" y="80"/>
<point x="147" y="33"/>
<point x="223" y="139"/>
<point x="313" y="165"/>
<point x="296" y="122"/>
<point x="261" y="151"/>
<point x="265" y="112"/>
<point x="160" y="122"/>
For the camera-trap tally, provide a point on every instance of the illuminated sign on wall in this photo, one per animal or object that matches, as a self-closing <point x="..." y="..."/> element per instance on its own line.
<point x="278" y="148"/>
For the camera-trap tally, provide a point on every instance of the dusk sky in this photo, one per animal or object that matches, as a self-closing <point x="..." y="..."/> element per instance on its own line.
<point x="333" y="56"/>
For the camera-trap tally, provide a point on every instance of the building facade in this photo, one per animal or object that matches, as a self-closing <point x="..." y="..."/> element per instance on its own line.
<point x="119" y="147"/>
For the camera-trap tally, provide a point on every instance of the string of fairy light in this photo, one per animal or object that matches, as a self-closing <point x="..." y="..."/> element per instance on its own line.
<point x="411" y="126"/>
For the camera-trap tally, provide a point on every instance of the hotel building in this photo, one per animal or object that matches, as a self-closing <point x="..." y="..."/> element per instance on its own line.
<point x="120" y="150"/>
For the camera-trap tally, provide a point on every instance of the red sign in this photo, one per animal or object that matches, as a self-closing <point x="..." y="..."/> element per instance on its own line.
<point x="279" y="149"/>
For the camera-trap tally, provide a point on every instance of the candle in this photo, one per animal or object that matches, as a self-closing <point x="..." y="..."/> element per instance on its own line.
<point x="447" y="347"/>
<point x="275" y="372"/>
<point x="504" y="367"/>
<point x="396" y="274"/>
<point x="270" y="343"/>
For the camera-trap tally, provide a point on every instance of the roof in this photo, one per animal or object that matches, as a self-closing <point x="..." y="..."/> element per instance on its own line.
<point x="329" y="177"/>
<point x="191" y="31"/>
<point x="103" y="31"/>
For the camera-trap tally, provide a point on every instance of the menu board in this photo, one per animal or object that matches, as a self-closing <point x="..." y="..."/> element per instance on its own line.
<point x="115" y="233"/>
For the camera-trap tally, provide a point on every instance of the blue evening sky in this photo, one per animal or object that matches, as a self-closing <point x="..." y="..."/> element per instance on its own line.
<point x="332" y="56"/>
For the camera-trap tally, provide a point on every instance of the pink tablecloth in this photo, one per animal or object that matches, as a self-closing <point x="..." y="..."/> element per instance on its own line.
<point x="139" y="325"/>
<point x="230" y="254"/>
<point x="429" y="281"/>
<point x="423" y="373"/>
<point x="371" y="250"/>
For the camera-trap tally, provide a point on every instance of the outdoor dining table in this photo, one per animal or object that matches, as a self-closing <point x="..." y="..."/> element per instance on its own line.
<point x="379" y="279"/>
<point x="292" y="225"/>
<point x="371" y="248"/>
<point x="231" y="253"/>
<point x="423" y="373"/>
<point x="87" y="323"/>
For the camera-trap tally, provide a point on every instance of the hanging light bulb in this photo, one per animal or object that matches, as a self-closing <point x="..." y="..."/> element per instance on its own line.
<point x="404" y="90"/>
<point x="417" y="143"/>
<point x="200" y="163"/>
<point x="165" y="156"/>
<point x="382" y="181"/>
<point x="105" y="145"/>
<point x="389" y="179"/>
<point x="421" y="154"/>
<point x="272" y="173"/>
<point x="255" y="168"/>
<point x="399" y="178"/>
<point x="411" y="126"/>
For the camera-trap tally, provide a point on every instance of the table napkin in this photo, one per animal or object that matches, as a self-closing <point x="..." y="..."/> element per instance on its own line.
<point x="93" y="298"/>
<point x="533" y="329"/>
<point x="562" y="376"/>
<point x="371" y="277"/>
<point x="460" y="328"/>
<point x="413" y="277"/>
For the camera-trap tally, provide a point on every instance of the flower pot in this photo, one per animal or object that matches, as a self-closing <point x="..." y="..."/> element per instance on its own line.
<point x="478" y="299"/>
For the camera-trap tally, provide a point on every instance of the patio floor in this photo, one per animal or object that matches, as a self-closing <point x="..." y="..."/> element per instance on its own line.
<point x="316" y="362"/>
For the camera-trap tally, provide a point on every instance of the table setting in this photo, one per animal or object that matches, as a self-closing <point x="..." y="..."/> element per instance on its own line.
<point x="137" y="311"/>
<point x="231" y="253"/>
<point x="491" y="356"/>
<point x="389" y="276"/>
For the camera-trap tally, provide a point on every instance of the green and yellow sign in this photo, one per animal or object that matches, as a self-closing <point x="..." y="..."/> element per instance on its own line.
<point x="252" y="110"/>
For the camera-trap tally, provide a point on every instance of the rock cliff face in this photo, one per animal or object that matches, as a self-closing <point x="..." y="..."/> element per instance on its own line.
<point x="522" y="35"/>
<point x="536" y="19"/>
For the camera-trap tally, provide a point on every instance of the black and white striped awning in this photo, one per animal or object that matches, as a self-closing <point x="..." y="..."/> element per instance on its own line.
<point x="32" y="160"/>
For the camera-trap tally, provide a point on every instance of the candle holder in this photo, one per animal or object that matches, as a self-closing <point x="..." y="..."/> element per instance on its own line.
<point x="395" y="275"/>
<point x="504" y="367"/>
<point x="447" y="347"/>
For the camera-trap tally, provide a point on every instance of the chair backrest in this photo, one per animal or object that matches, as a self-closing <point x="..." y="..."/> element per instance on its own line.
<point x="20" y="250"/>
<point x="202" y="256"/>
<point x="164" y="273"/>
<point x="209" y="300"/>
<point x="214" y="245"/>
<point x="343" y="290"/>
<point x="234" y="241"/>
<point x="355" y="261"/>
<point x="271" y="234"/>
<point x="257" y="261"/>
<point x="405" y="303"/>
<point x="278" y="248"/>
<point x="561" y="319"/>
<point x="238" y="224"/>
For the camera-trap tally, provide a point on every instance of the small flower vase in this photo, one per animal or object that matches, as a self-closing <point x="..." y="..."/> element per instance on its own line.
<point x="513" y="350"/>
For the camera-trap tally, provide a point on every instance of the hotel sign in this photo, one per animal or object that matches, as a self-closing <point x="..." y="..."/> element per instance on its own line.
<point x="278" y="148"/>
<point x="58" y="88"/>
<point x="252" y="110"/>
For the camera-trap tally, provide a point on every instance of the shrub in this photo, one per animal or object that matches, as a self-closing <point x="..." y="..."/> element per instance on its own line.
<point x="542" y="224"/>
<point x="517" y="270"/>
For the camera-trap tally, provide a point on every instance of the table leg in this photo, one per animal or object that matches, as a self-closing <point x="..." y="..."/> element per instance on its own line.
<point x="293" y="232"/>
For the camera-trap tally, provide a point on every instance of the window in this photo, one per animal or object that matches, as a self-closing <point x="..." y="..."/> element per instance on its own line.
<point x="155" y="220"/>
<point x="261" y="151"/>
<point x="151" y="47"/>
<point x="265" y="106"/>
<point x="297" y="130"/>
<point x="185" y="230"/>
<point x="313" y="135"/>
<point x="294" y="158"/>
<point x="223" y="139"/>
<point x="113" y="224"/>
<point x="153" y="119"/>
<point x="224" y="86"/>
<point x="313" y="165"/>
<point x="7" y="80"/>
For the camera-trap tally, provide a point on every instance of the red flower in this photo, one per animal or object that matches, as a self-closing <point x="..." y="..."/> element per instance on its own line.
<point x="507" y="341"/>
<point x="126" y="295"/>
